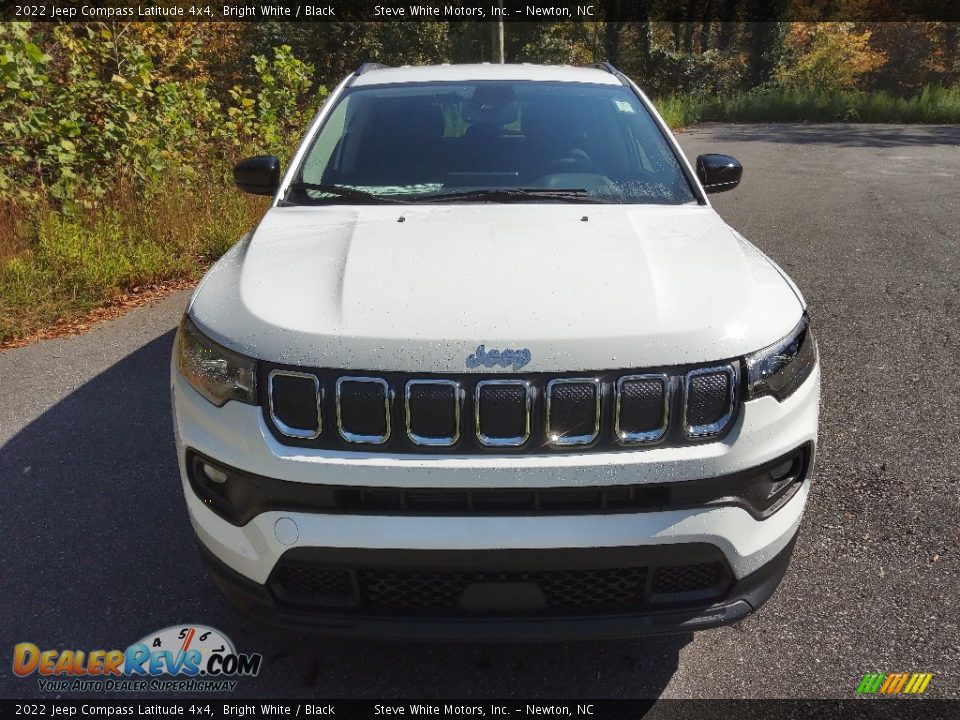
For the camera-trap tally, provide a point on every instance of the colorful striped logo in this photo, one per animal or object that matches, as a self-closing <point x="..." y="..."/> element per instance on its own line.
<point x="894" y="683"/>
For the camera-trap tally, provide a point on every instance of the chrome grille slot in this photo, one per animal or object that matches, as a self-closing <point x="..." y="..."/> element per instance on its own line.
<point x="502" y="412"/>
<point x="432" y="409"/>
<point x="363" y="409"/>
<point x="573" y="411"/>
<point x="643" y="408"/>
<point x="709" y="400"/>
<point x="295" y="400"/>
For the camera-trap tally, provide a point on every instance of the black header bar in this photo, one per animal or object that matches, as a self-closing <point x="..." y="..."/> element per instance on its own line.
<point x="323" y="709"/>
<point x="468" y="10"/>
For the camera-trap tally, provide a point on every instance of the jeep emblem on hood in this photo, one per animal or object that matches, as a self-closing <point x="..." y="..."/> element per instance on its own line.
<point x="503" y="358"/>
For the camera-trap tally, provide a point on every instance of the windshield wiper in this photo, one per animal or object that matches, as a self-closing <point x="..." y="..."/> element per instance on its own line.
<point x="506" y="195"/>
<point x="343" y="192"/>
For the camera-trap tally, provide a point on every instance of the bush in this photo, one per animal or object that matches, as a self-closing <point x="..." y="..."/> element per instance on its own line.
<point x="117" y="172"/>
<point x="935" y="104"/>
<point x="826" y="57"/>
<point x="707" y="73"/>
<point x="74" y="261"/>
<point x="680" y="111"/>
<point x="88" y="112"/>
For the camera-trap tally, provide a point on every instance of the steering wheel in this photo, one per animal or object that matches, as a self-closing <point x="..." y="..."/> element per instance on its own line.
<point x="576" y="161"/>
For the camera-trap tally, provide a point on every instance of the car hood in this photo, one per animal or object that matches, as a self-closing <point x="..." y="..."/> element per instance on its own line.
<point x="419" y="288"/>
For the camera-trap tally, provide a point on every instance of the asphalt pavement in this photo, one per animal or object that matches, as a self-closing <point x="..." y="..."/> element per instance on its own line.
<point x="96" y="550"/>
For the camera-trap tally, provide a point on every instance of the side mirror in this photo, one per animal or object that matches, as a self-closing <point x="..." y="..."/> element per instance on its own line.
<point x="718" y="173"/>
<point x="259" y="175"/>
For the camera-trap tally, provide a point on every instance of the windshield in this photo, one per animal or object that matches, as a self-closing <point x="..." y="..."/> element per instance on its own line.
<point x="472" y="141"/>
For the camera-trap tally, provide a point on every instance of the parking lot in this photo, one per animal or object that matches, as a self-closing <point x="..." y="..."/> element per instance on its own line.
<point x="98" y="550"/>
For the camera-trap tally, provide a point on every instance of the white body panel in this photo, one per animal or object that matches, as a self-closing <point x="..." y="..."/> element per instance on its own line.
<point x="633" y="286"/>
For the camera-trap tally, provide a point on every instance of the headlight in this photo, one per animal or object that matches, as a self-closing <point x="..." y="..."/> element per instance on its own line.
<point x="781" y="368"/>
<point x="213" y="371"/>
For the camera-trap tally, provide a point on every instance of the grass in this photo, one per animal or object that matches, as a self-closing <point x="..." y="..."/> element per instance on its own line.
<point x="56" y="265"/>
<point x="934" y="104"/>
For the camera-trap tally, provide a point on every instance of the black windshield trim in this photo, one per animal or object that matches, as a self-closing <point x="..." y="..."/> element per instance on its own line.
<point x="505" y="195"/>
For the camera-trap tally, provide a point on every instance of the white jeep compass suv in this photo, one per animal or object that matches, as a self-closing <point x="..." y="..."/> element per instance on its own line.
<point x="491" y="366"/>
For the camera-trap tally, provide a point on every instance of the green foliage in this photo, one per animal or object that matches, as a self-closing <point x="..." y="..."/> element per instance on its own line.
<point x="935" y="104"/>
<point x="108" y="118"/>
<point x="709" y="72"/>
<point x="679" y="111"/>
<point x="826" y="57"/>
<point x="76" y="260"/>
<point x="115" y="161"/>
<point x="270" y="119"/>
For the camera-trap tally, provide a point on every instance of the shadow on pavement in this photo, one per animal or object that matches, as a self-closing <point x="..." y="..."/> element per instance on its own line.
<point x="99" y="552"/>
<point x="873" y="136"/>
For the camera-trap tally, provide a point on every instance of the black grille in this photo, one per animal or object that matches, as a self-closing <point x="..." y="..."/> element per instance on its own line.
<point x="502" y="413"/>
<point x="573" y="415"/>
<point x="688" y="578"/>
<point x="385" y="591"/>
<point x="642" y="408"/>
<point x="466" y="413"/>
<point x="313" y="585"/>
<point x="558" y="501"/>
<point x="294" y="402"/>
<point x="433" y="411"/>
<point x="604" y="588"/>
<point x="361" y="409"/>
<point x="708" y="399"/>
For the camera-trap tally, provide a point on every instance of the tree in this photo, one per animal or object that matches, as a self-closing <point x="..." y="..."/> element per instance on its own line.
<point x="764" y="20"/>
<point x="827" y="57"/>
<point x="612" y="31"/>
<point x="728" y="16"/>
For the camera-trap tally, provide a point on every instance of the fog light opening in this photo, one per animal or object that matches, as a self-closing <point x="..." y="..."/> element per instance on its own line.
<point x="786" y="470"/>
<point x="214" y="475"/>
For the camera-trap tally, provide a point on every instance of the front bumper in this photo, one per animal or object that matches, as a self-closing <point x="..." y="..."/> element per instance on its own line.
<point x="754" y="550"/>
<point x="744" y="597"/>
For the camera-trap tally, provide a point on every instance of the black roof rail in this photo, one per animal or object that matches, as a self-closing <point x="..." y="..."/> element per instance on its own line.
<point x="607" y="67"/>
<point x="369" y="66"/>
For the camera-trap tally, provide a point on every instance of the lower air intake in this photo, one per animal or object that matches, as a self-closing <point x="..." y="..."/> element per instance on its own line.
<point x="451" y="592"/>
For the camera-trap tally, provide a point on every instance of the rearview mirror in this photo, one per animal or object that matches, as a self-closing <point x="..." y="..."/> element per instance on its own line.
<point x="258" y="175"/>
<point x="718" y="173"/>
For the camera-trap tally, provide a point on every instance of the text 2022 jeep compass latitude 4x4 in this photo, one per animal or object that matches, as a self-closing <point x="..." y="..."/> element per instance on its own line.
<point x="491" y="366"/>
